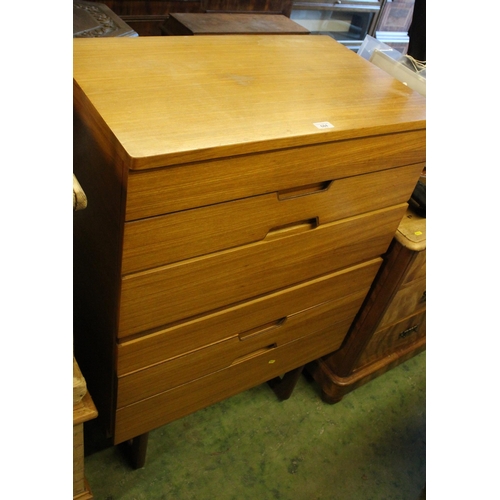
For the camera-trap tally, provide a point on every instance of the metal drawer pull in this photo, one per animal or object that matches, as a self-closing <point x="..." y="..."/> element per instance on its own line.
<point x="407" y="332"/>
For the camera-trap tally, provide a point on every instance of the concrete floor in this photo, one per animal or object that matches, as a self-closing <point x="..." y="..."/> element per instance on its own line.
<point x="369" y="446"/>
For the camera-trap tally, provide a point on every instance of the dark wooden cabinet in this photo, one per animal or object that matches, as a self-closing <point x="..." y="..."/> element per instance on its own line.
<point x="390" y="327"/>
<point x="189" y="23"/>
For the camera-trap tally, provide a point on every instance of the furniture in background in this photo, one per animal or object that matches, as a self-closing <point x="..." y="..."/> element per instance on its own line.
<point x="83" y="406"/>
<point x="147" y="17"/>
<point x="83" y="411"/>
<point x="390" y="327"/>
<point x="97" y="20"/>
<point x="393" y="24"/>
<point x="347" y="21"/>
<point x="235" y="229"/>
<point x="230" y="24"/>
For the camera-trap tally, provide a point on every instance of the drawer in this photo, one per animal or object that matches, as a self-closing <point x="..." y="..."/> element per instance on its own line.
<point x="386" y="341"/>
<point x="152" y="299"/>
<point x="272" y="309"/>
<point x="153" y="412"/>
<point x="409" y="300"/>
<point x="173" y="237"/>
<point x="417" y="269"/>
<point x="239" y="348"/>
<point x="180" y="187"/>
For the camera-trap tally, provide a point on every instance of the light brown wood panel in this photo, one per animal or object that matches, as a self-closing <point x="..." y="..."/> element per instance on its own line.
<point x="169" y="100"/>
<point x="183" y="369"/>
<point x="386" y="341"/>
<point x="161" y="296"/>
<point x="165" y="239"/>
<point x="181" y="187"/>
<point x="409" y="300"/>
<point x="142" y="352"/>
<point x="153" y="412"/>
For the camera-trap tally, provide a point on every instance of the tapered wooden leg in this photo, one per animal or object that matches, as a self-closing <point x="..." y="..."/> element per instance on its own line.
<point x="283" y="387"/>
<point x="137" y="449"/>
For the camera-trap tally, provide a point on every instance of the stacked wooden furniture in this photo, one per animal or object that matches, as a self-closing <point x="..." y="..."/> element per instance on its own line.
<point x="147" y="17"/>
<point x="183" y="24"/>
<point x="390" y="327"/>
<point x="242" y="190"/>
<point x="83" y="411"/>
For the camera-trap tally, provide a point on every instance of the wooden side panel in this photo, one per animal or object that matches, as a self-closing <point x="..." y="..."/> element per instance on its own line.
<point x="181" y="290"/>
<point x="169" y="238"/>
<point x="179" y="187"/>
<point x="97" y="241"/>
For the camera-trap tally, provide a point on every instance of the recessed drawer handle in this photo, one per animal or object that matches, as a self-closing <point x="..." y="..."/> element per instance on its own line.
<point x="408" y="331"/>
<point x="295" y="192"/>
<point x="262" y="329"/>
<point x="292" y="228"/>
<point x="255" y="353"/>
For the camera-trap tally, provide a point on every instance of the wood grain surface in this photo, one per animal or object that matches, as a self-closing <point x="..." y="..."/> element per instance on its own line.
<point x="166" y="98"/>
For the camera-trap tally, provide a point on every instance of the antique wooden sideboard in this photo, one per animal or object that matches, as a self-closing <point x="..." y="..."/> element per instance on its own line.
<point x="390" y="327"/>
<point x="241" y="192"/>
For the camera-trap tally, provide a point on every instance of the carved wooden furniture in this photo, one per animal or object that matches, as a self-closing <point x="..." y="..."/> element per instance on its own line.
<point x="97" y="20"/>
<point x="230" y="24"/>
<point x="390" y="327"/>
<point x="83" y="411"/>
<point x="147" y="16"/>
<point x="242" y="190"/>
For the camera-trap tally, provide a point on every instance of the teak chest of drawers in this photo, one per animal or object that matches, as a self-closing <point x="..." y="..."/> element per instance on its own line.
<point x="241" y="191"/>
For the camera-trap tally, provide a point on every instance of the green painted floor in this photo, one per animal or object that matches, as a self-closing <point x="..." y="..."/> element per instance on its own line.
<point x="369" y="446"/>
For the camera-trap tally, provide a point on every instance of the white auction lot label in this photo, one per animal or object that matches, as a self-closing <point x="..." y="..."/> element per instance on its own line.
<point x="323" y="125"/>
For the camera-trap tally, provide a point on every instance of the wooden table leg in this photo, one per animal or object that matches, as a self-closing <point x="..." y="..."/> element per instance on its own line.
<point x="136" y="450"/>
<point x="283" y="387"/>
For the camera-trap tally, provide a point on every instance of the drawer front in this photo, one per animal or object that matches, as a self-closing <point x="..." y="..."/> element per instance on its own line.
<point x="164" y="376"/>
<point x="173" y="237"/>
<point x="272" y="309"/>
<point x="417" y="268"/>
<point x="171" y="293"/>
<point x="386" y="341"/>
<point x="409" y="300"/>
<point x="180" y="187"/>
<point x="150" y="413"/>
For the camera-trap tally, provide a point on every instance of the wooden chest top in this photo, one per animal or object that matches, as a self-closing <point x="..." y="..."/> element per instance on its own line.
<point x="187" y="23"/>
<point x="159" y="101"/>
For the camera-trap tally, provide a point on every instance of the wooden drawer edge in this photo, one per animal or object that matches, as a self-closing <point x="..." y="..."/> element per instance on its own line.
<point x="159" y="410"/>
